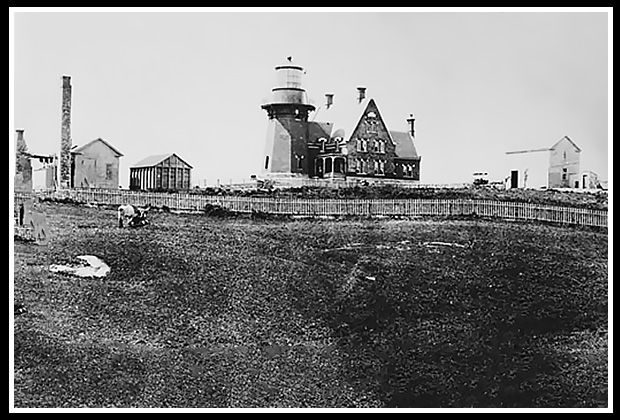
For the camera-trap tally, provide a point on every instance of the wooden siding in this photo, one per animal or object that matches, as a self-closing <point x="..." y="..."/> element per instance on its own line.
<point x="170" y="174"/>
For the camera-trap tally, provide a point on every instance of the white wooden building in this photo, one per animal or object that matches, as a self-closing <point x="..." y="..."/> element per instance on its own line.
<point x="550" y="167"/>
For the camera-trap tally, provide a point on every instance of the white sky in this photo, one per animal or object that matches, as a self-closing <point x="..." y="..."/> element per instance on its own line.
<point x="479" y="83"/>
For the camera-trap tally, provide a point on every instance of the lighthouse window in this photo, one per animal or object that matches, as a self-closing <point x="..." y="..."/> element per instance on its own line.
<point x="266" y="162"/>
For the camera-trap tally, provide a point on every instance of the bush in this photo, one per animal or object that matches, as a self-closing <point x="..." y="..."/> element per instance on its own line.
<point x="217" y="211"/>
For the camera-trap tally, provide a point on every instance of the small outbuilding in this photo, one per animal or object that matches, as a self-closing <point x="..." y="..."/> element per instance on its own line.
<point x="161" y="172"/>
<point x="95" y="165"/>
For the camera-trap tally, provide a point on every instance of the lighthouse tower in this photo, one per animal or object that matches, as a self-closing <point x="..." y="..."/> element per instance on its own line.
<point x="287" y="130"/>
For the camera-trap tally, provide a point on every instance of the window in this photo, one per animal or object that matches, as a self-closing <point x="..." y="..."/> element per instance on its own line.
<point x="364" y="145"/>
<point x="173" y="178"/>
<point x="358" y="145"/>
<point x="564" y="154"/>
<point x="266" y="162"/>
<point x="375" y="146"/>
<point x="108" y="171"/>
<point x="300" y="160"/>
<point x="380" y="167"/>
<point x="351" y="164"/>
<point x="371" y="122"/>
<point x="381" y="146"/>
<point x="165" y="178"/>
<point x="323" y="140"/>
<point x="361" y="166"/>
<point x="564" y="174"/>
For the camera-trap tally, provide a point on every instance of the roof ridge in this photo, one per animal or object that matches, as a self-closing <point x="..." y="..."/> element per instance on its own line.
<point x="82" y="147"/>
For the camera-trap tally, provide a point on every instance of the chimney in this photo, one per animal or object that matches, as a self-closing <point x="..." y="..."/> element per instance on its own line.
<point x="329" y="100"/>
<point x="20" y="145"/>
<point x="361" y="94"/>
<point x="65" y="135"/>
<point x="411" y="122"/>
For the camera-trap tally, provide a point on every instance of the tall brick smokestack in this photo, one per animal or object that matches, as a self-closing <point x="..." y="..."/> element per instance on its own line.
<point x="65" y="135"/>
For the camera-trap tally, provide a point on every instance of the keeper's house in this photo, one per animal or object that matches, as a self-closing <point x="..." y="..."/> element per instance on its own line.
<point x="160" y="172"/>
<point x="339" y="141"/>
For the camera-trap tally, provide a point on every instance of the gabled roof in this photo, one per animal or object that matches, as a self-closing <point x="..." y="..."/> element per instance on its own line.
<point x="405" y="147"/>
<point x="83" y="147"/>
<point x="567" y="138"/>
<point x="348" y="119"/>
<point x="153" y="160"/>
<point x="317" y="130"/>
<point x="544" y="149"/>
<point x="341" y="115"/>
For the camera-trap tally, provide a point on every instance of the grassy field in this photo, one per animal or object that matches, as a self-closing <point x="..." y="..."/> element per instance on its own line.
<point x="208" y="312"/>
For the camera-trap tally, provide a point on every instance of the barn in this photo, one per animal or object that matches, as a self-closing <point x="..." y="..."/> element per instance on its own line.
<point x="160" y="172"/>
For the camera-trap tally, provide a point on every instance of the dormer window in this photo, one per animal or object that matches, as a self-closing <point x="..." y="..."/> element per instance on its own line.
<point x="300" y="162"/>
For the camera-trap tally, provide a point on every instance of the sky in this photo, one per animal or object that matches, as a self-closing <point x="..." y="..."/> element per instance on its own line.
<point x="192" y="83"/>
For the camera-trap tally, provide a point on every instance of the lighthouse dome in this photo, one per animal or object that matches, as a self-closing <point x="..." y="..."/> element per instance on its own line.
<point x="289" y="85"/>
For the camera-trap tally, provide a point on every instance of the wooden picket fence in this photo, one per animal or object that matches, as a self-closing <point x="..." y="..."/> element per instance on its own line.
<point x="339" y="207"/>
